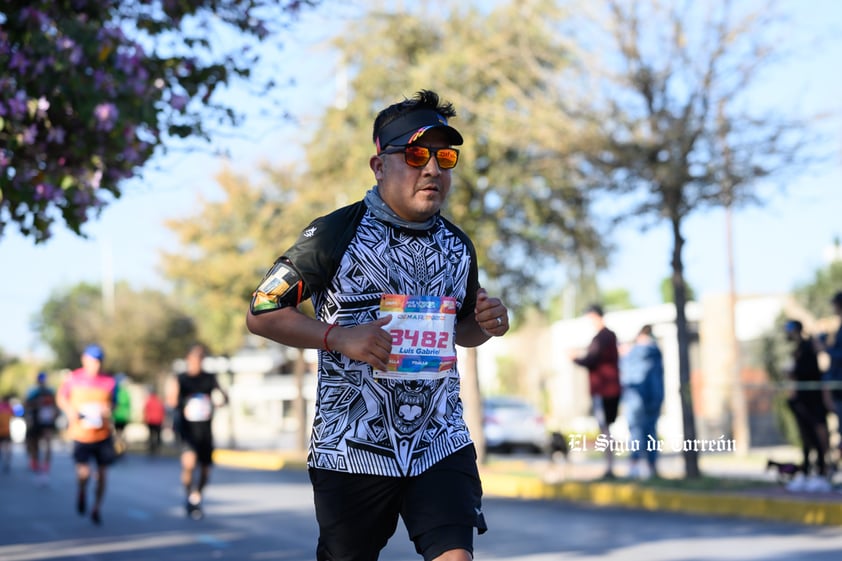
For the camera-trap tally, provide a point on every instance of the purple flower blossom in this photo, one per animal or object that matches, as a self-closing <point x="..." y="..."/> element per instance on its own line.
<point x="17" y="105"/>
<point x="45" y="192"/>
<point x="37" y="17"/>
<point x="29" y="135"/>
<point x="105" y="114"/>
<point x="41" y="107"/>
<point x="65" y="43"/>
<point x="19" y="62"/>
<point x="179" y="102"/>
<point x="56" y="135"/>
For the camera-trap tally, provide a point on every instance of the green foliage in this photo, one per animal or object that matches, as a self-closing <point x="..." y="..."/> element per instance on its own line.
<point x="227" y="247"/>
<point x="667" y="291"/>
<point x="616" y="299"/>
<point x="91" y="90"/>
<point x="775" y="354"/>
<point x="17" y="375"/>
<point x="815" y="296"/>
<point x="142" y="331"/>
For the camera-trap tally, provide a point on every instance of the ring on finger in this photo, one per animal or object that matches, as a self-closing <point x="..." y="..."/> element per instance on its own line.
<point x="499" y="321"/>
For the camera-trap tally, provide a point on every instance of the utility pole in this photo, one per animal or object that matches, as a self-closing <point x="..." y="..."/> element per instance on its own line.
<point x="739" y="414"/>
<point x="740" y="425"/>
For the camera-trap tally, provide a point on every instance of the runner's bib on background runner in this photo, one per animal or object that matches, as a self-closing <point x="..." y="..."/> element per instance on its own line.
<point x="422" y="330"/>
<point x="198" y="408"/>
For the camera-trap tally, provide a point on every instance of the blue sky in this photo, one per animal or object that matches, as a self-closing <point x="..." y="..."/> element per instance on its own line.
<point x="777" y="246"/>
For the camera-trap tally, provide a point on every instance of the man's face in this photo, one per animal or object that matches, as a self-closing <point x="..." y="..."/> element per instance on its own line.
<point x="91" y="365"/>
<point x="194" y="360"/>
<point x="414" y="194"/>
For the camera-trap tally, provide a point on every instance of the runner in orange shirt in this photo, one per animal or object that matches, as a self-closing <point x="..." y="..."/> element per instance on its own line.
<point x="87" y="397"/>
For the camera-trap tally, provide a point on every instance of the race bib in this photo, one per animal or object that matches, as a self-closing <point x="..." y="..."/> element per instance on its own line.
<point x="90" y="415"/>
<point x="198" y="408"/>
<point x="46" y="415"/>
<point x="422" y="330"/>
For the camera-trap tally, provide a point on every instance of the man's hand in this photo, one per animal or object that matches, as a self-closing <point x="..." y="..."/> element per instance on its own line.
<point x="367" y="342"/>
<point x="491" y="315"/>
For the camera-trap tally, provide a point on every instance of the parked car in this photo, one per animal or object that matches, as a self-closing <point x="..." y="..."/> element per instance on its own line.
<point x="513" y="424"/>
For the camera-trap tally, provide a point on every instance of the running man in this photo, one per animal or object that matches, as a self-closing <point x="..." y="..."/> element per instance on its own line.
<point x="7" y="413"/>
<point x="190" y="395"/>
<point x="41" y="413"/>
<point x="87" y="397"/>
<point x="395" y="287"/>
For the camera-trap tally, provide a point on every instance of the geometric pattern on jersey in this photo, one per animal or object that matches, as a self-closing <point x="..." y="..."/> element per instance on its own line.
<point x="383" y="426"/>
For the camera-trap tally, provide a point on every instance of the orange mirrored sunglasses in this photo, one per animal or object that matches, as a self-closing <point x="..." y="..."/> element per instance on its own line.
<point x="418" y="156"/>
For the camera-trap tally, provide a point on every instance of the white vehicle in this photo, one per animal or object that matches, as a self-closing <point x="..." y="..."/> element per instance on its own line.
<point x="513" y="424"/>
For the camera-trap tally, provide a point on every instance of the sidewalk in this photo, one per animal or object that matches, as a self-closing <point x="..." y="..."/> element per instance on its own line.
<point x="730" y="485"/>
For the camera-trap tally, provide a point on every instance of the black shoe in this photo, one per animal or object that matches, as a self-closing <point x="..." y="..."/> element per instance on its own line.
<point x="80" y="504"/>
<point x="96" y="518"/>
<point x="194" y="511"/>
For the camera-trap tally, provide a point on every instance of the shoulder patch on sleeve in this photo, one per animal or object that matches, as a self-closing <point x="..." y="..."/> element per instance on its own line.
<point x="281" y="287"/>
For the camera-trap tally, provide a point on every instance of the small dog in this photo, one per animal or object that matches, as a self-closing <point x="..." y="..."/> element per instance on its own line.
<point x="785" y="471"/>
<point x="558" y="446"/>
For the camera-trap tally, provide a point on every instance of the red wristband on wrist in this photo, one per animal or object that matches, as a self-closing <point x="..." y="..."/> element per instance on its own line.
<point x="324" y="339"/>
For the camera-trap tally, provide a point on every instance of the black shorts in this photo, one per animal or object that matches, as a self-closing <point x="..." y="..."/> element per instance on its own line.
<point x="605" y="410"/>
<point x="357" y="514"/>
<point x="37" y="432"/>
<point x="102" y="452"/>
<point x="198" y="438"/>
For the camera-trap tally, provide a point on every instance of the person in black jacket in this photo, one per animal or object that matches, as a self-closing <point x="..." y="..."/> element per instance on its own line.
<point x="808" y="407"/>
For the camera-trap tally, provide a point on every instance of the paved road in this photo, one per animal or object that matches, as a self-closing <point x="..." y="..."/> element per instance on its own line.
<point x="262" y="515"/>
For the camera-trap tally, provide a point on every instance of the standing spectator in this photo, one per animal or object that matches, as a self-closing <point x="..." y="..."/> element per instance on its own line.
<point x="122" y="414"/>
<point x="6" y="415"/>
<point x="833" y="396"/>
<point x="389" y="440"/>
<point x="41" y="413"/>
<point x="87" y="397"/>
<point x="190" y="394"/>
<point x="153" y="415"/>
<point x="808" y="407"/>
<point x="642" y="380"/>
<point x="602" y="361"/>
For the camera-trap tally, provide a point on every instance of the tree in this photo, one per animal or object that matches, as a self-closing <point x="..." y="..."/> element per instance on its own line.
<point x="667" y="291"/>
<point x="227" y="246"/>
<point x="142" y="335"/>
<point x="513" y="191"/>
<point x="672" y="130"/>
<point x="93" y="89"/>
<point x="816" y="296"/>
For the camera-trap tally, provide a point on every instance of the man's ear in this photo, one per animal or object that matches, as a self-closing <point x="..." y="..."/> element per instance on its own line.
<point x="376" y="164"/>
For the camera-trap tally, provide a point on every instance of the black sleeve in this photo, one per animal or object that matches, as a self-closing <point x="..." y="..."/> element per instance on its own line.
<point x="470" y="302"/>
<point x="319" y="248"/>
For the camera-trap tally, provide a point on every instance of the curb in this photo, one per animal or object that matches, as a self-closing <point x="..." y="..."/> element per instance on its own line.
<point x="629" y="495"/>
<point x="623" y="495"/>
<point x="253" y="459"/>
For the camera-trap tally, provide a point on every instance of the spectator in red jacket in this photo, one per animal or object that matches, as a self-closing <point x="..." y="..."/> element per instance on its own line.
<point x="602" y="361"/>
<point x="154" y="415"/>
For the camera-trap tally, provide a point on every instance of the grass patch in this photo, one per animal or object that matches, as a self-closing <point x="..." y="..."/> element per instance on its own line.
<point x="705" y="483"/>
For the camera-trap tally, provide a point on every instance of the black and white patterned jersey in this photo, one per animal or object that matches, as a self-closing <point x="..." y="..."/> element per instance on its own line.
<point x="348" y="260"/>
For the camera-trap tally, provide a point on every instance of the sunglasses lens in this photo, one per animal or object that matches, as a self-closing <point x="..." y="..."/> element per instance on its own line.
<point x="417" y="156"/>
<point x="447" y="158"/>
